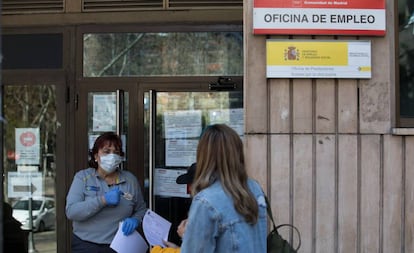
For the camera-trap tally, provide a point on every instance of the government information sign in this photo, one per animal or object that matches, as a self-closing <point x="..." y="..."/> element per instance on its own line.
<point x="319" y="17"/>
<point x="318" y="59"/>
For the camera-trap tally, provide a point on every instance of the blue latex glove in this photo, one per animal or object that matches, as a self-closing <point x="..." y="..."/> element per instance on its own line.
<point x="129" y="225"/>
<point x="113" y="196"/>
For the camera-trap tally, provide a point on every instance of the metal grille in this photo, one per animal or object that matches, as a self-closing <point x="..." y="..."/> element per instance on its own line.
<point x="58" y="6"/>
<point x="32" y="6"/>
<point x="206" y="4"/>
<point x="121" y="5"/>
<point x="131" y="5"/>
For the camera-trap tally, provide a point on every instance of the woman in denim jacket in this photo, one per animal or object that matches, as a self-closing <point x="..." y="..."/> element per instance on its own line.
<point x="228" y="211"/>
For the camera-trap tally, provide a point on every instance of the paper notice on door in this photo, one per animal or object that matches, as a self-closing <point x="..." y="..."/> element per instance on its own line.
<point x="156" y="228"/>
<point x="182" y="124"/>
<point x="165" y="183"/>
<point x="104" y="112"/>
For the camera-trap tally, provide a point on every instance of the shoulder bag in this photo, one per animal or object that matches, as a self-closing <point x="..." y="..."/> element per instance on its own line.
<point x="275" y="242"/>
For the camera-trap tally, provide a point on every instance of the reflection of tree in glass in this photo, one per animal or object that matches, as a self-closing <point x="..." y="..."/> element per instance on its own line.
<point x="406" y="57"/>
<point x="31" y="107"/>
<point x="157" y="54"/>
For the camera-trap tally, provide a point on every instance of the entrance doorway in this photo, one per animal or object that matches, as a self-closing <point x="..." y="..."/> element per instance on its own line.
<point x="128" y="66"/>
<point x="174" y="121"/>
<point x="160" y="122"/>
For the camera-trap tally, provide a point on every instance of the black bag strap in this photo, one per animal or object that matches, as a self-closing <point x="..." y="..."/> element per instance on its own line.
<point x="269" y="212"/>
<point x="275" y="228"/>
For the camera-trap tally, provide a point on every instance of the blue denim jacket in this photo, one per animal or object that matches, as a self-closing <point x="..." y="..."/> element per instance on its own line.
<point x="215" y="226"/>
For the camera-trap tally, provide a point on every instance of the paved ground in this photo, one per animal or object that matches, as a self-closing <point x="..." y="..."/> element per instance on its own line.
<point x="45" y="242"/>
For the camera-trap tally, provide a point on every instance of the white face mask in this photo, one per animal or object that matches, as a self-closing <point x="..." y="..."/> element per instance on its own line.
<point x="110" y="162"/>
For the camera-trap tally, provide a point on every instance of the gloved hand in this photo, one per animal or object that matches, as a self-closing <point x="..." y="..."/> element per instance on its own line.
<point x="129" y="225"/>
<point x="113" y="196"/>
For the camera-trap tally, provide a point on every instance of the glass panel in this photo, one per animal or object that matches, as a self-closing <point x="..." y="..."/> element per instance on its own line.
<point x="45" y="51"/>
<point x="183" y="115"/>
<point x="102" y="116"/>
<point x="163" y="54"/>
<point x="180" y="119"/>
<point x="406" y="57"/>
<point x="29" y="167"/>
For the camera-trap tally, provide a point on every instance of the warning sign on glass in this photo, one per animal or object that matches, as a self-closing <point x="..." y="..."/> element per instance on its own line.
<point x="27" y="146"/>
<point x="319" y="17"/>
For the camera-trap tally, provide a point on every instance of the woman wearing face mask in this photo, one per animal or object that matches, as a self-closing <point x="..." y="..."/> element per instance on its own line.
<point x="101" y="197"/>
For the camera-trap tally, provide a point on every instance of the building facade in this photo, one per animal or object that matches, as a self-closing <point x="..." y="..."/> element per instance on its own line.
<point x="334" y="155"/>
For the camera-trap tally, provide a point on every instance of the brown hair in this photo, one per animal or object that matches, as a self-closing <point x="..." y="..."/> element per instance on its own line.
<point x="220" y="157"/>
<point x="109" y="138"/>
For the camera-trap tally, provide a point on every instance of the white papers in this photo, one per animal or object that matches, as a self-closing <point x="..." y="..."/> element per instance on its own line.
<point x="155" y="228"/>
<point x="232" y="117"/>
<point x="182" y="124"/>
<point x="180" y="152"/>
<point x="104" y="112"/>
<point x="165" y="185"/>
<point x="133" y="243"/>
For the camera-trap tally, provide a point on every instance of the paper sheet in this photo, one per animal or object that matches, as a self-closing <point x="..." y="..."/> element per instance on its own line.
<point x="133" y="243"/>
<point x="156" y="228"/>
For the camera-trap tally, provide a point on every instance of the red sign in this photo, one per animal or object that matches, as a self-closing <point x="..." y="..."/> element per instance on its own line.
<point x="11" y="155"/>
<point x="319" y="17"/>
<point x="27" y="139"/>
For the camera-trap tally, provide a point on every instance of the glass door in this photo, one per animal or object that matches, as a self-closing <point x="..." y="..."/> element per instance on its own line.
<point x="32" y="124"/>
<point x="103" y="107"/>
<point x="107" y="112"/>
<point x="174" y="121"/>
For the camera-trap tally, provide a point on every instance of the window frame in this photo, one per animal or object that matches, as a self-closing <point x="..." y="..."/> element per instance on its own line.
<point x="401" y="121"/>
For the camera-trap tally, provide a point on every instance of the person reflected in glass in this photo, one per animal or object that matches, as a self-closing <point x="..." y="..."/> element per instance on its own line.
<point x="101" y="197"/>
<point x="15" y="238"/>
<point x="228" y="209"/>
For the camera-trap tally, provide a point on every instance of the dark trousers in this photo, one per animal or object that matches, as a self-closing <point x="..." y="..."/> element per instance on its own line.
<point x="81" y="246"/>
